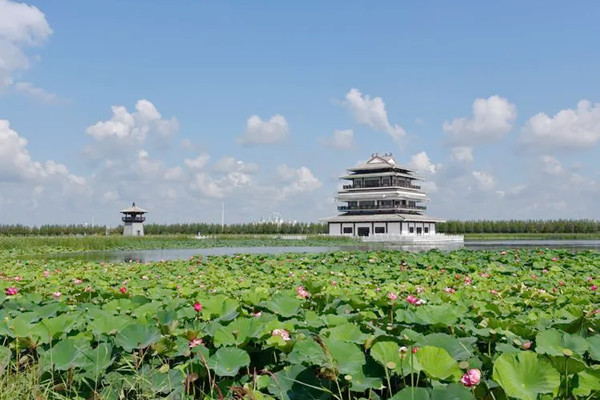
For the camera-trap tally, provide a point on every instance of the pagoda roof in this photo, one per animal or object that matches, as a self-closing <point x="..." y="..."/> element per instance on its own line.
<point x="382" y="195"/>
<point x="386" y="173"/>
<point x="134" y="209"/>
<point x="395" y="217"/>
<point x="377" y="161"/>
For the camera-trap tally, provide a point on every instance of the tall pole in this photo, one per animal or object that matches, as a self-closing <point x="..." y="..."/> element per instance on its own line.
<point x="222" y="215"/>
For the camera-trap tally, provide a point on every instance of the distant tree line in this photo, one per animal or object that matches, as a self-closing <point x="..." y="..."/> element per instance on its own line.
<point x="451" y="227"/>
<point x="518" y="226"/>
<point x="250" y="228"/>
<point x="52" y="230"/>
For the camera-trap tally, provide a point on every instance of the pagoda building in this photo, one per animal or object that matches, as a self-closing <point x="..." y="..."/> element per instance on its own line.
<point x="381" y="197"/>
<point x="133" y="217"/>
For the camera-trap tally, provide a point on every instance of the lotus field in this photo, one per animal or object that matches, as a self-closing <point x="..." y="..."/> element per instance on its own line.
<point x="372" y="325"/>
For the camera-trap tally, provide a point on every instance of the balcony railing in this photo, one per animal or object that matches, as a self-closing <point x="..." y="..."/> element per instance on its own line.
<point x="380" y="207"/>
<point x="345" y="187"/>
<point x="133" y="219"/>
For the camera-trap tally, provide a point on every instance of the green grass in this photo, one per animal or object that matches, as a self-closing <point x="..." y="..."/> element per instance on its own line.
<point x="532" y="236"/>
<point x="18" y="245"/>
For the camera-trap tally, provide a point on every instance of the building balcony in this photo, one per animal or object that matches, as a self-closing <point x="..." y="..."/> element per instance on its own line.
<point x="381" y="208"/>
<point x="129" y="218"/>
<point x="351" y="187"/>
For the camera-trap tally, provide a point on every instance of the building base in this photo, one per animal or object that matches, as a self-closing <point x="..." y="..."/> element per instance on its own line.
<point x="133" y="229"/>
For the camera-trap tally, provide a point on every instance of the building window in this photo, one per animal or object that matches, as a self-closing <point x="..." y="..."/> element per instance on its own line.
<point x="347" y="230"/>
<point x="380" y="229"/>
<point x="426" y="229"/>
<point x="411" y="230"/>
<point x="419" y="231"/>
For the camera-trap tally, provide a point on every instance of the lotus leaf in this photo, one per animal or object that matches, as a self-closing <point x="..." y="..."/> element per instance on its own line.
<point x="227" y="361"/>
<point x="525" y="375"/>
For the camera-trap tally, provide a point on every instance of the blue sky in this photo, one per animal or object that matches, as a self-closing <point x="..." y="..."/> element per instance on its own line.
<point x="239" y="102"/>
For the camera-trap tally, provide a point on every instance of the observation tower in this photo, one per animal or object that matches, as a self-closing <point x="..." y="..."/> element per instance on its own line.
<point x="134" y="221"/>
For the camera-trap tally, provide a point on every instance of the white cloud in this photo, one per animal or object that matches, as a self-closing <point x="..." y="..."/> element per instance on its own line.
<point x="371" y="112"/>
<point x="265" y="132"/>
<point x="551" y="165"/>
<point x="422" y="163"/>
<point x="35" y="92"/>
<point x="342" y="139"/>
<point x="462" y="154"/>
<point x="573" y="129"/>
<point x="492" y="118"/>
<point x="230" y="164"/>
<point x="297" y="181"/>
<point x="21" y="25"/>
<point x="485" y="181"/>
<point x="16" y="163"/>
<point x="133" y="128"/>
<point x="198" y="162"/>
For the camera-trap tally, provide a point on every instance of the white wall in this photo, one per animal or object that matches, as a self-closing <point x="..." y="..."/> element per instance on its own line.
<point x="394" y="227"/>
<point x="335" y="229"/>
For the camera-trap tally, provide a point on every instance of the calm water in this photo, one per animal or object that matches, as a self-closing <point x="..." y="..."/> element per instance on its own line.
<point x="182" y="254"/>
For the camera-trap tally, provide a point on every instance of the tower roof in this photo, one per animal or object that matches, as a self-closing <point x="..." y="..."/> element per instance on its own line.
<point x="134" y="209"/>
<point x="385" y="161"/>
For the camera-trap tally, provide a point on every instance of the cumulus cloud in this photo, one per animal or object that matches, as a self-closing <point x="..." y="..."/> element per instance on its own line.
<point x="21" y="26"/>
<point x="126" y="127"/>
<point x="484" y="180"/>
<point x="197" y="163"/>
<point x="230" y="164"/>
<point x="422" y="163"/>
<point x="372" y="113"/>
<point x="462" y="154"/>
<point x="16" y="163"/>
<point x="492" y="119"/>
<point x="274" y="130"/>
<point x="342" y="139"/>
<point x="551" y="165"/>
<point x="296" y="181"/>
<point x="569" y="128"/>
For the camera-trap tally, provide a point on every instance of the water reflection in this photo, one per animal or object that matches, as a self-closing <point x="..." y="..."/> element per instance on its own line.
<point x="182" y="254"/>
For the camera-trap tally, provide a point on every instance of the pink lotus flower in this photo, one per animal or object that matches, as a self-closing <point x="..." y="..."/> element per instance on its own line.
<point x="594" y="287"/>
<point x="195" y="342"/>
<point x="503" y="252"/>
<point x="88" y="289"/>
<point x="471" y="378"/>
<point x="77" y="281"/>
<point x="46" y="273"/>
<point x="589" y="278"/>
<point x="282" y="333"/>
<point x="494" y="292"/>
<point x="123" y="289"/>
<point x="414" y="350"/>
<point x="527" y="345"/>
<point x="420" y="302"/>
<point x="392" y="296"/>
<point x="554" y="258"/>
<point x="468" y="280"/>
<point x="145" y="278"/>
<point x="57" y="295"/>
<point x="449" y="290"/>
<point x="561" y="283"/>
<point x="302" y="292"/>
<point x="555" y="289"/>
<point x="534" y="276"/>
<point x="484" y="275"/>
<point x="333" y="283"/>
<point x="11" y="291"/>
<point x="412" y="299"/>
<point x="197" y="307"/>
<point x="257" y="314"/>
<point x="443" y="270"/>
<point x="18" y="278"/>
<point x="544" y="271"/>
<point x="420" y="289"/>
